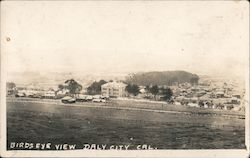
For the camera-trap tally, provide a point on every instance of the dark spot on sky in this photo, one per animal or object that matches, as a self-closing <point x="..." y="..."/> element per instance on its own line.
<point x="7" y="39"/>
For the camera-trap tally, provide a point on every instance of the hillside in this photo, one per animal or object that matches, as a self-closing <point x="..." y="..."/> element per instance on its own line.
<point x="162" y="78"/>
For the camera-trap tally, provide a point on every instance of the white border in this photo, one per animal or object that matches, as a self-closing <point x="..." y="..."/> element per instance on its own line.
<point x="132" y="153"/>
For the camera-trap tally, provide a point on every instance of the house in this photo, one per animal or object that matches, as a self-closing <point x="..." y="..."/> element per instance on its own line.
<point x="61" y="93"/>
<point x="237" y="96"/>
<point x="228" y="107"/>
<point x="177" y="103"/>
<point x="193" y="105"/>
<point x="214" y="106"/>
<point x="142" y="90"/>
<point x="235" y="100"/>
<point x="50" y="94"/>
<point x="219" y="94"/>
<point x="114" y="89"/>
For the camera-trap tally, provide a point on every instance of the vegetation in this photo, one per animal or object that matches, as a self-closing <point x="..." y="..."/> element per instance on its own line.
<point x="95" y="87"/>
<point x="132" y="89"/>
<point x="154" y="90"/>
<point x="61" y="87"/>
<point x="73" y="86"/>
<point x="162" y="78"/>
<point x="10" y="85"/>
<point x="167" y="93"/>
<point x="11" y="88"/>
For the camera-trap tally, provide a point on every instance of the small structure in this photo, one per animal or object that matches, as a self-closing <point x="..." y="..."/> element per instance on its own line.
<point x="49" y="94"/>
<point x="193" y="105"/>
<point x="236" y="96"/>
<point x="219" y="94"/>
<point x="61" y="93"/>
<point x="235" y="100"/>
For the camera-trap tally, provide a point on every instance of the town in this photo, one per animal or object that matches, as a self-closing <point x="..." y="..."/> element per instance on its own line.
<point x="205" y="93"/>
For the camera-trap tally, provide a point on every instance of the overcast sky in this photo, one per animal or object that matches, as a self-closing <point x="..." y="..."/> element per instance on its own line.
<point x="200" y="37"/>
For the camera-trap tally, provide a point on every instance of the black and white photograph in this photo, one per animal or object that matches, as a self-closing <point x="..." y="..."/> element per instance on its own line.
<point x="124" y="76"/>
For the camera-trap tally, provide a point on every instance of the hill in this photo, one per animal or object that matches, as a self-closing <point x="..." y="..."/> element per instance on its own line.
<point x="162" y="78"/>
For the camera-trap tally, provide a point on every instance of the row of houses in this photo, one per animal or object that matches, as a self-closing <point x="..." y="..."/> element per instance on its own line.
<point x="36" y="94"/>
<point x="112" y="89"/>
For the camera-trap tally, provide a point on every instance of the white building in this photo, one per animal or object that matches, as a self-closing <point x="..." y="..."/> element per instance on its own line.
<point x="114" y="89"/>
<point x="49" y="94"/>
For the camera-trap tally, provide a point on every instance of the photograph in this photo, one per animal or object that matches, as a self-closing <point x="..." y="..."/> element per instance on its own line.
<point x="124" y="77"/>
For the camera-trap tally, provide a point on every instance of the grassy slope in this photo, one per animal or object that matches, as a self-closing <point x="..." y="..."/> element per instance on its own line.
<point x="37" y="122"/>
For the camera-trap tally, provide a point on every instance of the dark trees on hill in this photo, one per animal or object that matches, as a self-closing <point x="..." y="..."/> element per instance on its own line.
<point x="162" y="78"/>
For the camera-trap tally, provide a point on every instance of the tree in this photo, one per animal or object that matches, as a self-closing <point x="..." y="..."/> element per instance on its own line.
<point x="154" y="90"/>
<point x="60" y="87"/>
<point x="147" y="88"/>
<point x="10" y="85"/>
<point x="10" y="88"/>
<point x="73" y="86"/>
<point x="132" y="89"/>
<point x="95" y="87"/>
<point x="167" y="93"/>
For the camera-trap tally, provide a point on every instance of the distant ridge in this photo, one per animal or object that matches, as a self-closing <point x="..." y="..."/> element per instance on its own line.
<point x="162" y="78"/>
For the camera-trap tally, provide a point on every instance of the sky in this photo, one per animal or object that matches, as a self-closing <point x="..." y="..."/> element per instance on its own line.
<point x="125" y="36"/>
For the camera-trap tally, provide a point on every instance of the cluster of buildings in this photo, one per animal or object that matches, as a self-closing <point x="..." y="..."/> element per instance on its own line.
<point x="34" y="93"/>
<point x="111" y="89"/>
<point x="202" y="95"/>
<point x="208" y="95"/>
